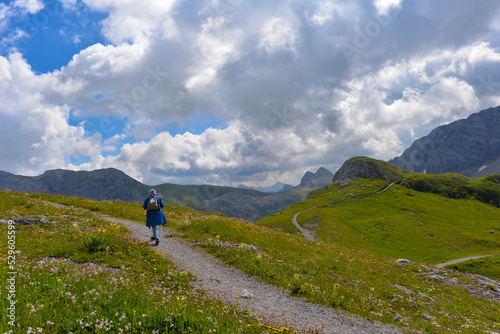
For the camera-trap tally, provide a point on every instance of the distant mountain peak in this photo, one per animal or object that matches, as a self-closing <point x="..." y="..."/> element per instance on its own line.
<point x="470" y="147"/>
<point x="322" y="178"/>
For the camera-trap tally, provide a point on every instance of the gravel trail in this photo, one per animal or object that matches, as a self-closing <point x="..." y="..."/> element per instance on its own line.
<point x="239" y="288"/>
<point x="442" y="265"/>
<point x="307" y="233"/>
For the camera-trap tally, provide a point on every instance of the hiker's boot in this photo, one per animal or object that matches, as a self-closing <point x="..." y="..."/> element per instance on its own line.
<point x="153" y="238"/>
<point x="157" y="242"/>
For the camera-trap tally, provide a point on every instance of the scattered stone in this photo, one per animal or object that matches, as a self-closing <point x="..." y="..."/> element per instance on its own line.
<point x="29" y="221"/>
<point x="455" y="281"/>
<point x="486" y="281"/>
<point x="492" y="232"/>
<point x="378" y="315"/>
<point x="446" y="314"/>
<point x="402" y="288"/>
<point x="404" y="262"/>
<point x="247" y="247"/>
<point x="245" y="294"/>
<point x="436" y="278"/>
<point x="398" y="318"/>
<point x="427" y="317"/>
<point x="427" y="297"/>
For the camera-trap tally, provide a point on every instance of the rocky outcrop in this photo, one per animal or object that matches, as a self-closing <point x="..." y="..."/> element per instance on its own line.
<point x="366" y="168"/>
<point x="470" y="147"/>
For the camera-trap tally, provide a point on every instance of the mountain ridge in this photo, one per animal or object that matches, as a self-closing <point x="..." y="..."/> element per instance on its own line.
<point x="113" y="184"/>
<point x="469" y="146"/>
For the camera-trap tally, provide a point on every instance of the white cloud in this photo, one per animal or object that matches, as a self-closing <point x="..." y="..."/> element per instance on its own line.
<point x="384" y="6"/>
<point x="38" y="133"/>
<point x="216" y="46"/>
<point x="30" y="6"/>
<point x="277" y="34"/>
<point x="69" y="4"/>
<point x="135" y="20"/>
<point x="271" y="72"/>
<point x="325" y="12"/>
<point x="433" y="91"/>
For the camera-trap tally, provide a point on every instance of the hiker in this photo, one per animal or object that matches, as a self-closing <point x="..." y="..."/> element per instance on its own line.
<point x="154" y="215"/>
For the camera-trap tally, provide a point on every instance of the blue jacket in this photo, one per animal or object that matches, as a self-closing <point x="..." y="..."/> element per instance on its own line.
<point x="154" y="217"/>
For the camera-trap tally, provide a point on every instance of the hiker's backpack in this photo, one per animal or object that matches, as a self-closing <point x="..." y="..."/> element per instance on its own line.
<point x="153" y="204"/>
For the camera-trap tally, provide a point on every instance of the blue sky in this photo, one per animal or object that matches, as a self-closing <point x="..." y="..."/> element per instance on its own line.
<point x="231" y="91"/>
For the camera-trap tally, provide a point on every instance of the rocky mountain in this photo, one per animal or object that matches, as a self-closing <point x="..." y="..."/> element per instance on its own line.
<point x="470" y="147"/>
<point x="322" y="178"/>
<point x="100" y="184"/>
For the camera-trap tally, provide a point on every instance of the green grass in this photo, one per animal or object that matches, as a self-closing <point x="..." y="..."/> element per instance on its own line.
<point x="345" y="278"/>
<point x="488" y="266"/>
<point x="81" y="274"/>
<point x="440" y="221"/>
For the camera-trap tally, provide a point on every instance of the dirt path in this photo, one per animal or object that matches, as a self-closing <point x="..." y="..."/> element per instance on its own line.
<point x="442" y="265"/>
<point x="233" y="285"/>
<point x="308" y="234"/>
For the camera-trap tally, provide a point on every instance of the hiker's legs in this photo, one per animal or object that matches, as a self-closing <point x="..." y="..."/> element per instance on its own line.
<point x="155" y="231"/>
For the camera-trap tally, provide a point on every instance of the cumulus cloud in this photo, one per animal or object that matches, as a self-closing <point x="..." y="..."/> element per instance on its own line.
<point x="283" y="86"/>
<point x="30" y="6"/>
<point x="37" y="133"/>
<point x="135" y="20"/>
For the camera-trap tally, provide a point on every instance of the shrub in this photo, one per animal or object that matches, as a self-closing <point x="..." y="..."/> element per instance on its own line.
<point x="95" y="243"/>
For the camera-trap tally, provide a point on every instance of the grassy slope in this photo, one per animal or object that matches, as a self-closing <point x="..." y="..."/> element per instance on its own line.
<point x="329" y="274"/>
<point x="82" y="274"/>
<point x="444" y="223"/>
<point x="488" y="266"/>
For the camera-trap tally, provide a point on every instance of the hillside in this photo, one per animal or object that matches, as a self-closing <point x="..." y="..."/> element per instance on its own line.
<point x="468" y="146"/>
<point x="98" y="273"/>
<point x="422" y="217"/>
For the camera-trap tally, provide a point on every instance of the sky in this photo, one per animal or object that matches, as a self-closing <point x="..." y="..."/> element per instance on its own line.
<point x="231" y="92"/>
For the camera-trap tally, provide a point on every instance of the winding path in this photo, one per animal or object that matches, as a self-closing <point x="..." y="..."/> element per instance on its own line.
<point x="235" y="286"/>
<point x="442" y="265"/>
<point x="308" y="234"/>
